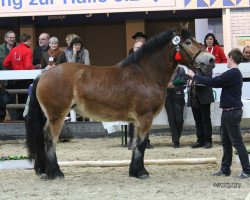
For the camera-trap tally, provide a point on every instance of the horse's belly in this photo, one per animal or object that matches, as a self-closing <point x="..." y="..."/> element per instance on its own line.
<point x="101" y="113"/>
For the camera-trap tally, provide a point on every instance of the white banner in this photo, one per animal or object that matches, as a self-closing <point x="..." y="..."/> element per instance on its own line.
<point x="59" y="7"/>
<point x="10" y="8"/>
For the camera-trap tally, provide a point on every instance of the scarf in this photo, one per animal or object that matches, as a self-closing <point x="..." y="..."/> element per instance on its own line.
<point x="53" y="53"/>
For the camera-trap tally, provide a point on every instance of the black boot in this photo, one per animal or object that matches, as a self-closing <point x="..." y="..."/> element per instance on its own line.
<point x="208" y="143"/>
<point x="197" y="145"/>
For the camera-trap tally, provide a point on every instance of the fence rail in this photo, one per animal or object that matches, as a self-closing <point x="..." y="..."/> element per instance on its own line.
<point x="18" y="91"/>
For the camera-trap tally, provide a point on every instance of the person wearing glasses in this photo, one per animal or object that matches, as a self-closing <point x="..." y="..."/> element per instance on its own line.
<point x="43" y="42"/>
<point x="9" y="43"/>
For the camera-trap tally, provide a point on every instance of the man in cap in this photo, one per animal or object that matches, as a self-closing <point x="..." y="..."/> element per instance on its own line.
<point x="138" y="37"/>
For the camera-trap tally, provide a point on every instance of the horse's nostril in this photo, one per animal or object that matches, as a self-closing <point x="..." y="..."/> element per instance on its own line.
<point x="212" y="60"/>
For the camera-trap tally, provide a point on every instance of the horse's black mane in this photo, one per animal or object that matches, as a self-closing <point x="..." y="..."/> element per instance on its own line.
<point x="153" y="45"/>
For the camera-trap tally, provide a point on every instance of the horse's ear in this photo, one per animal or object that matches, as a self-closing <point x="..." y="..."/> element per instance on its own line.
<point x="183" y="26"/>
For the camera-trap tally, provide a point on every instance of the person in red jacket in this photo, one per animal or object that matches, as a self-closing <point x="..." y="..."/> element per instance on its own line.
<point x="212" y="46"/>
<point x="20" y="57"/>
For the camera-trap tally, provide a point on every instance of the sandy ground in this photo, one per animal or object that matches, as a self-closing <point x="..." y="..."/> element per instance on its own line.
<point x="113" y="183"/>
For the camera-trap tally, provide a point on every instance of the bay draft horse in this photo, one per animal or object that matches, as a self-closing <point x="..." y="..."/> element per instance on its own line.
<point x="133" y="90"/>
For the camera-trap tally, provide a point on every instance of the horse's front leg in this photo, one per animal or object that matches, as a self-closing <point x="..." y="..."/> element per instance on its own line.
<point x="137" y="168"/>
<point x="52" y="168"/>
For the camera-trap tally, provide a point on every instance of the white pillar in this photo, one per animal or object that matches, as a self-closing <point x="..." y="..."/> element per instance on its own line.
<point x="226" y="30"/>
<point x="201" y="29"/>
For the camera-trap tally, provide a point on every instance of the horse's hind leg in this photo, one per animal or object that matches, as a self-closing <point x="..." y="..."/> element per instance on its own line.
<point x="52" y="134"/>
<point x="137" y="168"/>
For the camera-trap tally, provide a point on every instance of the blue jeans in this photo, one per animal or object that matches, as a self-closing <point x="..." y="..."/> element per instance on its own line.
<point x="231" y="137"/>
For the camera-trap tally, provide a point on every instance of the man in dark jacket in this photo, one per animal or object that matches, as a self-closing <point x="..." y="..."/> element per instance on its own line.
<point x="174" y="104"/>
<point x="43" y="41"/>
<point x="138" y="37"/>
<point x="230" y="101"/>
<point x="200" y="99"/>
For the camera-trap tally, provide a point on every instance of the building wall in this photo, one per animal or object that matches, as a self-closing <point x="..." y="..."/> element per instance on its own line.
<point x="106" y="42"/>
<point x="240" y="24"/>
<point x="215" y="27"/>
<point x="154" y="27"/>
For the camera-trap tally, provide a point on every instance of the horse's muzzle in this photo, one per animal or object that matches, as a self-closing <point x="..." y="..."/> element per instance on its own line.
<point x="211" y="61"/>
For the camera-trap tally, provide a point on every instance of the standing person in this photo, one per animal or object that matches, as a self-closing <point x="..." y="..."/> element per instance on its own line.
<point x="246" y="54"/>
<point x="43" y="41"/>
<point x="174" y="104"/>
<point x="19" y="58"/>
<point x="131" y="126"/>
<point x="10" y="42"/>
<point x="212" y="46"/>
<point x="230" y="102"/>
<point x="77" y="52"/>
<point x="138" y="37"/>
<point x="53" y="56"/>
<point x="200" y="98"/>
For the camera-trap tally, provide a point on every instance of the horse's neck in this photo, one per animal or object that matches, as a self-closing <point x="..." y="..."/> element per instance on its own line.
<point x="158" y="69"/>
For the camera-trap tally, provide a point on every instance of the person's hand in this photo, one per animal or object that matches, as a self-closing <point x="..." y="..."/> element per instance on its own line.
<point x="170" y="85"/>
<point x="74" y="51"/>
<point x="190" y="73"/>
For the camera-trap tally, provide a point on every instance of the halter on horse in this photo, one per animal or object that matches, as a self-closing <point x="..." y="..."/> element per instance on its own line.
<point x="134" y="91"/>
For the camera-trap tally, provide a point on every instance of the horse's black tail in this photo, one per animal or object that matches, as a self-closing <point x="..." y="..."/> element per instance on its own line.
<point x="34" y="123"/>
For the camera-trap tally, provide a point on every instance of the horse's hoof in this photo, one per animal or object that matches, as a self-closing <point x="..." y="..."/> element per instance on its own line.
<point x="144" y="176"/>
<point x="39" y="171"/>
<point x="43" y="176"/>
<point x="60" y="175"/>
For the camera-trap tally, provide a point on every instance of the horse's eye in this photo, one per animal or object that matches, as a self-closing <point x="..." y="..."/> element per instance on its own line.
<point x="188" y="42"/>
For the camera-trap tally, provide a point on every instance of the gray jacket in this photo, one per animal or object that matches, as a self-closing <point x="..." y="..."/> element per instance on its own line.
<point x="80" y="57"/>
<point x="4" y="51"/>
